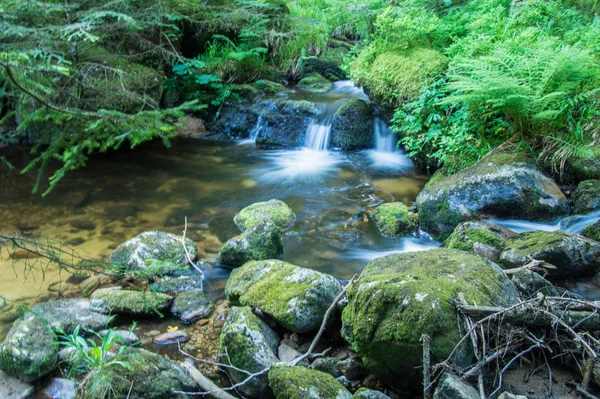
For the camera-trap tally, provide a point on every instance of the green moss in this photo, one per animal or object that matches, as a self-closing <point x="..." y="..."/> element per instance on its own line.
<point x="587" y="197"/>
<point x="352" y="126"/>
<point x="260" y="242"/>
<point x="468" y="233"/>
<point x="130" y="302"/>
<point x="315" y="83"/>
<point x="533" y="241"/>
<point x="392" y="219"/>
<point x="300" y="383"/>
<point x="274" y="211"/>
<point x="268" y="87"/>
<point x="592" y="231"/>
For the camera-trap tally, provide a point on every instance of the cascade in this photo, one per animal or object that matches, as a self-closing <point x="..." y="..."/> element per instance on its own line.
<point x="317" y="135"/>
<point x="385" y="139"/>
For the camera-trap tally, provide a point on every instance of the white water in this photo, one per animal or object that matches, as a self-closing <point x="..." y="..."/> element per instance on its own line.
<point x="318" y="135"/>
<point x="253" y="135"/>
<point x="407" y="244"/>
<point x="296" y="166"/>
<point x="385" y="157"/>
<point x="571" y="224"/>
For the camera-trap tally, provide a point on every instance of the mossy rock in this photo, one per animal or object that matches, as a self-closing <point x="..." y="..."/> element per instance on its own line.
<point x="399" y="297"/>
<point x="260" y="242"/>
<point x="452" y="387"/>
<point x="484" y="238"/>
<point x="315" y="83"/>
<point x="137" y="303"/>
<point x="327" y="65"/>
<point x="587" y="197"/>
<point x="192" y="306"/>
<point x="30" y="350"/>
<point x="499" y="186"/>
<point x="154" y="252"/>
<point x="298" y="382"/>
<point x="352" y="126"/>
<point x="295" y="297"/>
<point x="572" y="255"/>
<point x="273" y="211"/>
<point x="250" y="344"/>
<point x="151" y="376"/>
<point x="269" y="87"/>
<point x="67" y="314"/>
<point x="587" y="168"/>
<point x="181" y="281"/>
<point x="529" y="284"/>
<point x="592" y="231"/>
<point x="393" y="219"/>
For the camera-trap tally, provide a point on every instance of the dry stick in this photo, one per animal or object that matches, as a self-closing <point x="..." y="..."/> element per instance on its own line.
<point x="210" y="387"/>
<point x="580" y="389"/>
<point x="468" y="324"/>
<point x="187" y="254"/>
<point x="587" y="375"/>
<point x="426" y="339"/>
<point x="518" y="356"/>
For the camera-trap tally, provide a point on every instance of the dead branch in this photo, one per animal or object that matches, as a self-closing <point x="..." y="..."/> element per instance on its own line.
<point x="426" y="339"/>
<point x="533" y="265"/>
<point x="580" y="390"/>
<point x="210" y="388"/>
<point x="187" y="254"/>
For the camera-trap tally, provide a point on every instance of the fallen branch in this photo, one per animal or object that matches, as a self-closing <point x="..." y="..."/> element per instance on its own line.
<point x="533" y="265"/>
<point x="580" y="390"/>
<point x="187" y="254"/>
<point x="212" y="390"/>
<point x="426" y="339"/>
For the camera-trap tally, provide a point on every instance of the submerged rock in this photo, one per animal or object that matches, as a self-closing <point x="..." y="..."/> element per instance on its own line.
<point x="393" y="219"/>
<point x="30" y="350"/>
<point x="138" y="303"/>
<point x="484" y="238"/>
<point x="587" y="197"/>
<point x="192" y="306"/>
<point x="530" y="284"/>
<point x="352" y="126"/>
<point x="156" y="252"/>
<point x="249" y="344"/>
<point x="13" y="388"/>
<point x="452" y="387"/>
<point x="272" y="211"/>
<point x="573" y="255"/>
<point x="295" y="297"/>
<point x="498" y="186"/>
<point x="401" y="296"/>
<point x="170" y="338"/>
<point x="300" y="383"/>
<point x="592" y="231"/>
<point x="66" y="314"/>
<point x="260" y="242"/>
<point x="315" y="83"/>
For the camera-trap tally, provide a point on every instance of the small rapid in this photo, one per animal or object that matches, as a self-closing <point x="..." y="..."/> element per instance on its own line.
<point x="570" y="224"/>
<point x="385" y="156"/>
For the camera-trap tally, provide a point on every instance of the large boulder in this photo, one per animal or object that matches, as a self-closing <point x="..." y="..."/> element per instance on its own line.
<point x="156" y="252"/>
<point x="584" y="168"/>
<point x="573" y="255"/>
<point x="30" y="350"/>
<point x="300" y="383"/>
<point x="498" y="186"/>
<point x="273" y="211"/>
<point x="315" y="83"/>
<point x="452" y="387"/>
<point x="393" y="219"/>
<point x="295" y="297"/>
<point x="352" y="126"/>
<point x="484" y="238"/>
<point x="587" y="197"/>
<point x="592" y="231"/>
<point x="66" y="314"/>
<point x="249" y="344"/>
<point x="192" y="306"/>
<point x="260" y="242"/>
<point x="136" y="303"/>
<point x="399" y="297"/>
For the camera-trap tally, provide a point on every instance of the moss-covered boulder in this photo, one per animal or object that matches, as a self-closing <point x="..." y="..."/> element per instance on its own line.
<point x="154" y="252"/>
<point x="137" y="303"/>
<point x="327" y="65"/>
<point x="300" y="383"/>
<point x="498" y="186"/>
<point x="151" y="376"/>
<point x="393" y="219"/>
<point x="452" y="387"/>
<point x="399" y="297"/>
<point x="250" y="344"/>
<point x="30" y="350"/>
<point x="269" y="87"/>
<point x="592" y="231"/>
<point x="295" y="297"/>
<point x="260" y="242"/>
<point x="315" y="83"/>
<point x="67" y="314"/>
<point x="584" y="168"/>
<point x="587" y="197"/>
<point x="273" y="211"/>
<point x="192" y="306"/>
<point x="352" y="126"/>
<point x="484" y="238"/>
<point x="529" y="284"/>
<point x="572" y="255"/>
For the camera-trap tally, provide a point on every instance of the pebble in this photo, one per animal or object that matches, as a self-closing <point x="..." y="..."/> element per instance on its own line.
<point x="170" y="338"/>
<point x="61" y="388"/>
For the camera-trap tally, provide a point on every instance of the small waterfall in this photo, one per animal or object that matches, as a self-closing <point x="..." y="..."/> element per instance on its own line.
<point x="317" y="135"/>
<point x="385" y="139"/>
<point x="385" y="157"/>
<point x="257" y="128"/>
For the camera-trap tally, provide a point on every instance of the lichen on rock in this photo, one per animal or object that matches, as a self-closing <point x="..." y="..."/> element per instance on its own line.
<point x="273" y="211"/>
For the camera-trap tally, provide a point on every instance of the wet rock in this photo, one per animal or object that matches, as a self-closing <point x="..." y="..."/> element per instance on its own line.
<point x="126" y="337"/>
<point x="327" y="365"/>
<point x="156" y="252"/>
<point x="272" y="211"/>
<point x="573" y="255"/>
<point x="170" y="338"/>
<point x="353" y="368"/>
<point x="137" y="303"/>
<point x="393" y="219"/>
<point x="286" y="353"/>
<point x="315" y="83"/>
<point x="269" y="87"/>
<point x="13" y="388"/>
<point x="452" y="387"/>
<point x="300" y="382"/>
<point x="349" y="385"/>
<point x="592" y="231"/>
<point x="30" y="350"/>
<point x="192" y="306"/>
<point x="483" y="238"/>
<point x="250" y="345"/>
<point x="179" y="282"/>
<point x="499" y="186"/>
<point x="530" y="284"/>
<point x="61" y="388"/>
<point x="587" y="197"/>
<point x="352" y="126"/>
<point x="585" y="168"/>
<point x="295" y="297"/>
<point x="260" y="242"/>
<point x="401" y="296"/>
<point x="66" y="314"/>
<point x="365" y="393"/>
<point x="508" y="395"/>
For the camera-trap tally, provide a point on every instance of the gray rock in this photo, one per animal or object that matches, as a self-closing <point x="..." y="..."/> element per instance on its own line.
<point x="179" y="282"/>
<point x="170" y="338"/>
<point x="286" y="125"/>
<point x="452" y="387"/>
<point x="530" y="284"/>
<point x="13" y="388"/>
<point x="349" y="385"/>
<point x="508" y="395"/>
<point x="483" y="238"/>
<point x="352" y="368"/>
<point x="352" y="126"/>
<point x="300" y="382"/>
<point x="250" y="345"/>
<point x="137" y="303"/>
<point x="260" y="242"/>
<point x="587" y="197"/>
<point x="272" y="211"/>
<point x="66" y="314"/>
<point x="365" y="393"/>
<point x="286" y="353"/>
<point x="30" y="350"/>
<point x="61" y="388"/>
<point x="126" y="337"/>
<point x="327" y="365"/>
<point x="192" y="306"/>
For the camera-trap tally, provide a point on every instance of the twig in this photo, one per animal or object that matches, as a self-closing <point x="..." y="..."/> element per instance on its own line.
<point x="187" y="254"/>
<point x="587" y="375"/>
<point x="580" y="389"/>
<point x="426" y="339"/>
<point x="204" y="383"/>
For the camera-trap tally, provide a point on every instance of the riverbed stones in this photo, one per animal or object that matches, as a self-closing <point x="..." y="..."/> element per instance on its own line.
<point x="327" y="365"/>
<point x="66" y="314"/>
<point x="498" y="186"/>
<point x="272" y="211"/>
<point x="592" y="231"/>
<point x="297" y="298"/>
<point x="192" y="306"/>
<point x="180" y="281"/>
<point x="452" y="387"/>
<point x="155" y="252"/>
<point x="315" y="83"/>
<point x="572" y="255"/>
<point x="30" y="350"/>
<point x="364" y="393"/>
<point x="587" y="197"/>
<point x="249" y="344"/>
<point x="352" y="126"/>
<point x="13" y="388"/>
<point x="401" y="296"/>
<point x="136" y="303"/>
<point x="260" y="242"/>
<point x="484" y="238"/>
<point x="299" y="382"/>
<point x="393" y="219"/>
<point x="171" y="338"/>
